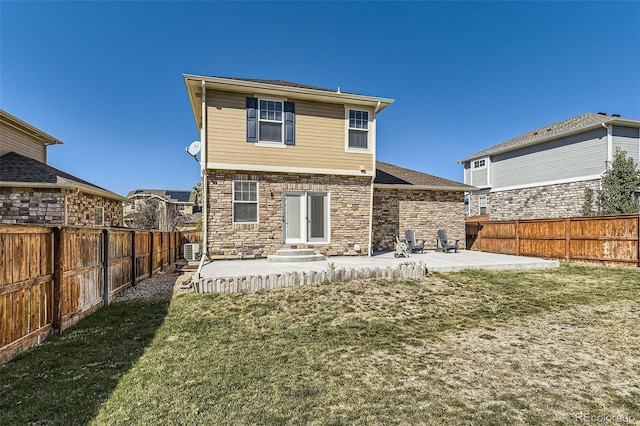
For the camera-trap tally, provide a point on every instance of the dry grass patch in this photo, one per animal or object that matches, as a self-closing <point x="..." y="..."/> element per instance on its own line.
<point x="467" y="348"/>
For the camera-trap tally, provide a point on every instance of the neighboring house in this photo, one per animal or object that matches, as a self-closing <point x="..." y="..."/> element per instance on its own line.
<point x="544" y="173"/>
<point x="182" y="202"/>
<point x="287" y="165"/>
<point x="35" y="193"/>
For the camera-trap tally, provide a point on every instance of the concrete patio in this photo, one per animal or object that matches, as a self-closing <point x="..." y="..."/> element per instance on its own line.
<point x="434" y="262"/>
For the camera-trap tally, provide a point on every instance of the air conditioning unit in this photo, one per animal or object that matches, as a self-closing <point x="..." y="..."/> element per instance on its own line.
<point x="191" y="251"/>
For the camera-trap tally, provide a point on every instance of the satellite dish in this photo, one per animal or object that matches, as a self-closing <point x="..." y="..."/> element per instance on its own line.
<point x="194" y="148"/>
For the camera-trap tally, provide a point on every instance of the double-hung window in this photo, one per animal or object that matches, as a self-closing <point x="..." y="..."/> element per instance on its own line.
<point x="270" y="120"/>
<point x="98" y="216"/>
<point x="358" y="129"/>
<point x="245" y="201"/>
<point x="482" y="203"/>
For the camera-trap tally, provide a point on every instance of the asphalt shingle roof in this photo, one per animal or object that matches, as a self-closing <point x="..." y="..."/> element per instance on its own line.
<point x="388" y="174"/>
<point x="584" y="121"/>
<point x="18" y="168"/>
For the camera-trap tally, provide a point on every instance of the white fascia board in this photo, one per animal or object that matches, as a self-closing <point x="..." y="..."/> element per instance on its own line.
<point x="547" y="183"/>
<point x="286" y="169"/>
<point x="423" y="187"/>
<point x="250" y="86"/>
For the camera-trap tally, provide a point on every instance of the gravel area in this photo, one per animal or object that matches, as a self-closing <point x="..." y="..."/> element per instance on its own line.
<point x="163" y="283"/>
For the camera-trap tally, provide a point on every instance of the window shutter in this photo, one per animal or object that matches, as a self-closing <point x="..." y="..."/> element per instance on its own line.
<point x="252" y="120"/>
<point x="289" y="123"/>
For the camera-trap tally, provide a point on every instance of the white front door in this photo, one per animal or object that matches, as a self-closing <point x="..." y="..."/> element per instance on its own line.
<point x="306" y="217"/>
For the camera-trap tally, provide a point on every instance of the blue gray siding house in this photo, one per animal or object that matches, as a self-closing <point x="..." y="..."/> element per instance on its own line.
<point x="543" y="173"/>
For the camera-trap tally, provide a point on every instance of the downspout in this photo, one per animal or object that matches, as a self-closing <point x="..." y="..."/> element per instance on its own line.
<point x="373" y="178"/>
<point x="203" y="173"/>
<point x="609" y="143"/>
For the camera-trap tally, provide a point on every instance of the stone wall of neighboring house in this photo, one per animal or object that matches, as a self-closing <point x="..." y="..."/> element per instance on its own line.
<point x="349" y="200"/>
<point x="26" y="205"/>
<point x="85" y="210"/>
<point x="561" y="200"/>
<point x="47" y="207"/>
<point x="396" y="210"/>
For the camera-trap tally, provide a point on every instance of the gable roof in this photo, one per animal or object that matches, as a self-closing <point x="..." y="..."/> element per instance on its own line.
<point x="19" y="171"/>
<point x="568" y="127"/>
<point x="172" y="196"/>
<point x="388" y="176"/>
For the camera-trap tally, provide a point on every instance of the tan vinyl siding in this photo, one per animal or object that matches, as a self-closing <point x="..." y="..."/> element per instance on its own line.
<point x="16" y="141"/>
<point x="319" y="140"/>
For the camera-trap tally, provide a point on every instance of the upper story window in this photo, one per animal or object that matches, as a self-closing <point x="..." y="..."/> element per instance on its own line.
<point x="271" y="121"/>
<point x="480" y="164"/>
<point x="358" y="129"/>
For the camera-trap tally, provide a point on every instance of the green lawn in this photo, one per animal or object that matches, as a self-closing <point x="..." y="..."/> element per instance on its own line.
<point x="543" y="347"/>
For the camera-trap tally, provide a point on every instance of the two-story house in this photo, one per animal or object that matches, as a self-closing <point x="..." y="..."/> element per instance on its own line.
<point x="178" y="207"/>
<point x="543" y="173"/>
<point x="33" y="192"/>
<point x="290" y="165"/>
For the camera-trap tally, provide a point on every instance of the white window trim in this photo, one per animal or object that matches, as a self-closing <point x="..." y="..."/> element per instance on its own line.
<point x="480" y="199"/>
<point x="484" y="166"/>
<point x="101" y="215"/>
<point x="305" y="206"/>
<point x="371" y="130"/>
<point x="233" y="201"/>
<point x="279" y="144"/>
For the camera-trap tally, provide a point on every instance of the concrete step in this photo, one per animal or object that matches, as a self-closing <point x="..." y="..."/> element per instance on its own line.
<point x="295" y="252"/>
<point x="295" y="255"/>
<point x="291" y="259"/>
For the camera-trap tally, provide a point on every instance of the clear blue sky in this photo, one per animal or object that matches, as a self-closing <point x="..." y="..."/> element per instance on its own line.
<point x="106" y="77"/>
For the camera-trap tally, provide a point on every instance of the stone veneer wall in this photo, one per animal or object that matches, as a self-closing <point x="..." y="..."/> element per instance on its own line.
<point x="25" y="205"/>
<point x="47" y="207"/>
<point x="396" y="210"/>
<point x="81" y="208"/>
<point x="349" y="198"/>
<point x="561" y="200"/>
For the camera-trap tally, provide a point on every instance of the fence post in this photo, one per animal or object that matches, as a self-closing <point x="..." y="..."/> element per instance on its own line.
<point x="133" y="258"/>
<point x="56" y="314"/>
<point x="517" y="226"/>
<point x="151" y="254"/>
<point x="638" y="232"/>
<point x="567" y="239"/>
<point x="105" y="267"/>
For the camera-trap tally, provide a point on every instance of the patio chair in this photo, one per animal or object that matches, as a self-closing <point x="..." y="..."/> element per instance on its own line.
<point x="442" y="243"/>
<point x="412" y="243"/>
<point x="401" y="248"/>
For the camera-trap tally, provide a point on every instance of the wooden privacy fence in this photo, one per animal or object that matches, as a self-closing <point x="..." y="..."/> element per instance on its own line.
<point x="607" y="239"/>
<point x="52" y="277"/>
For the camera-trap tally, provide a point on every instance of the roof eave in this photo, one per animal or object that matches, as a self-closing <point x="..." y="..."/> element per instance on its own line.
<point x="67" y="185"/>
<point x="462" y="188"/>
<point x="26" y="128"/>
<point x="243" y="86"/>
<point x="548" y="138"/>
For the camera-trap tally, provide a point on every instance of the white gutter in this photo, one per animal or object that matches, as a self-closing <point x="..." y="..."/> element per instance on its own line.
<point x="203" y="174"/>
<point x="203" y="170"/>
<point x="425" y="187"/>
<point x="609" y="143"/>
<point x="373" y="178"/>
